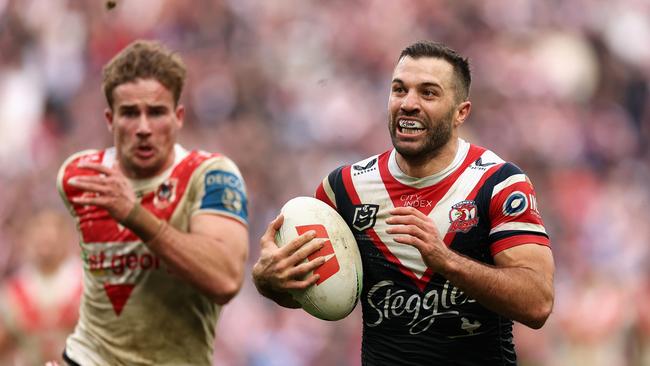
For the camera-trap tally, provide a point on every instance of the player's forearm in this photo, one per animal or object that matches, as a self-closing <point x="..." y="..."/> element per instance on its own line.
<point x="201" y="260"/>
<point x="518" y="293"/>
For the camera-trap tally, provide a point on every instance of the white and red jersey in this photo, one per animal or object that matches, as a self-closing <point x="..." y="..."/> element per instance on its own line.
<point x="134" y="311"/>
<point x="40" y="309"/>
<point x="482" y="205"/>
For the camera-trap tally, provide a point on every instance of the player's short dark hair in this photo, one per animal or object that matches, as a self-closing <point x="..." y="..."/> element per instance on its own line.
<point x="439" y="50"/>
<point x="144" y="60"/>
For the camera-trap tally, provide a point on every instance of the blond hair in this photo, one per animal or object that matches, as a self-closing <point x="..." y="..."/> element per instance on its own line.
<point x="144" y="60"/>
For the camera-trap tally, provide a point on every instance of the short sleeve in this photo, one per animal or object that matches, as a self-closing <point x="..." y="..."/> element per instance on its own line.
<point x="514" y="216"/>
<point x="220" y="189"/>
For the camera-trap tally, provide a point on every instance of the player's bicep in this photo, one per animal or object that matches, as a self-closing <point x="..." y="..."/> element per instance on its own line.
<point x="231" y="232"/>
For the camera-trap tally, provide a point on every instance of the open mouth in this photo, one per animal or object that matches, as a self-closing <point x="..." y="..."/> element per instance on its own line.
<point x="144" y="151"/>
<point x="409" y="127"/>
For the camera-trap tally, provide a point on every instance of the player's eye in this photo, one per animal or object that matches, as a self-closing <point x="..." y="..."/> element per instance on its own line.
<point x="429" y="93"/>
<point x="129" y="112"/>
<point x="157" y="111"/>
<point x="398" y="89"/>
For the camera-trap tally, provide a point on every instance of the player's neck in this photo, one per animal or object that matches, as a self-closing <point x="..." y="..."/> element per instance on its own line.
<point x="429" y="164"/>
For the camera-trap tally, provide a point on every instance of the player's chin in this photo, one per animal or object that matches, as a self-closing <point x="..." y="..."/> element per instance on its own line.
<point x="408" y="148"/>
<point x="146" y="167"/>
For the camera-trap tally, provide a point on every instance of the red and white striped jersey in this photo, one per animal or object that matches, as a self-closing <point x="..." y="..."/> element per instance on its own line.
<point x="39" y="309"/>
<point x="482" y="205"/>
<point x="134" y="311"/>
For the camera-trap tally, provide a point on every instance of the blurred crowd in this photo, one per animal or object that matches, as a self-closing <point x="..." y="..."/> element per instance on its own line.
<point x="293" y="89"/>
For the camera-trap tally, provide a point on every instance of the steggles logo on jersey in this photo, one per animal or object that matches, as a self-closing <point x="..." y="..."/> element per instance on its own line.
<point x="463" y="216"/>
<point x="365" y="216"/>
<point x="515" y="204"/>
<point x="165" y="194"/>
<point x="420" y="309"/>
<point x="360" y="169"/>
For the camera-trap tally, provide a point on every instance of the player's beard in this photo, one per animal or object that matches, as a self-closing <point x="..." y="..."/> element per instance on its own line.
<point x="438" y="134"/>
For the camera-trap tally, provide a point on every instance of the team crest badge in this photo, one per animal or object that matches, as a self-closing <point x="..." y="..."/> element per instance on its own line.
<point x="365" y="216"/>
<point x="165" y="194"/>
<point x="463" y="216"/>
<point x="232" y="200"/>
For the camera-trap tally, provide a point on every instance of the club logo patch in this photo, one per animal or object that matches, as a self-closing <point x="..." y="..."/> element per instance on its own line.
<point x="463" y="216"/>
<point x="232" y="200"/>
<point x="515" y="204"/>
<point x="165" y="194"/>
<point x="365" y="216"/>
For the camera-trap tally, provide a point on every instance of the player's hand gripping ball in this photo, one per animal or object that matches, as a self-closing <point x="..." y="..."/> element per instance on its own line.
<point x="337" y="291"/>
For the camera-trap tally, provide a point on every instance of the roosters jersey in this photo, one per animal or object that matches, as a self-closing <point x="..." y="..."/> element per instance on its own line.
<point x="134" y="311"/>
<point x="411" y="316"/>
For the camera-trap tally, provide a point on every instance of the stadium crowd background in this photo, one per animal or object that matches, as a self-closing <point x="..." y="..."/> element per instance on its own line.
<point x="292" y="89"/>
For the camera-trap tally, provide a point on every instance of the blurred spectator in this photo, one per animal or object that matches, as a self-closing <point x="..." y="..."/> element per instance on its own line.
<point x="39" y="303"/>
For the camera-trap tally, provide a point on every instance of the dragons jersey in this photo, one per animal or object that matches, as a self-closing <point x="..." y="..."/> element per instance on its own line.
<point x="134" y="311"/>
<point x="412" y="316"/>
<point x="39" y="310"/>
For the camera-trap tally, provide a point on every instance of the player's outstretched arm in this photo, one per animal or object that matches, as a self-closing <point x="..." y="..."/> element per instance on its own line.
<point x="519" y="286"/>
<point x="279" y="270"/>
<point x="211" y="256"/>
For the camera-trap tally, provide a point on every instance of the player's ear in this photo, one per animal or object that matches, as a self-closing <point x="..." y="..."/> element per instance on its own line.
<point x="180" y="115"/>
<point x="462" y="112"/>
<point x="108" y="114"/>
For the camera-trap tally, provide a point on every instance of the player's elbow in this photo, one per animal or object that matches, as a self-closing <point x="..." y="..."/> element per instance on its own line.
<point x="225" y="290"/>
<point x="537" y="316"/>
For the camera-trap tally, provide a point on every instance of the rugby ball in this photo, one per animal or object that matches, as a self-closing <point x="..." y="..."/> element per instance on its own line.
<point x="337" y="291"/>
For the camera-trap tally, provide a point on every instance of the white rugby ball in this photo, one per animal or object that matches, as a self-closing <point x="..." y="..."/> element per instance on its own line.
<point x="335" y="294"/>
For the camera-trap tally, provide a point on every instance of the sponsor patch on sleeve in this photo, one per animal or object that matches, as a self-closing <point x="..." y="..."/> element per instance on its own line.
<point x="515" y="204"/>
<point x="224" y="191"/>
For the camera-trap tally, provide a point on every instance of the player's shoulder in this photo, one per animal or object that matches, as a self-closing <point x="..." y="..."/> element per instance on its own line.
<point x="368" y="164"/>
<point x="205" y="160"/>
<point x="365" y="165"/>
<point x="213" y="171"/>
<point x="505" y="174"/>
<point x="334" y="183"/>
<point x="90" y="155"/>
<point x="488" y="159"/>
<point x="70" y="166"/>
